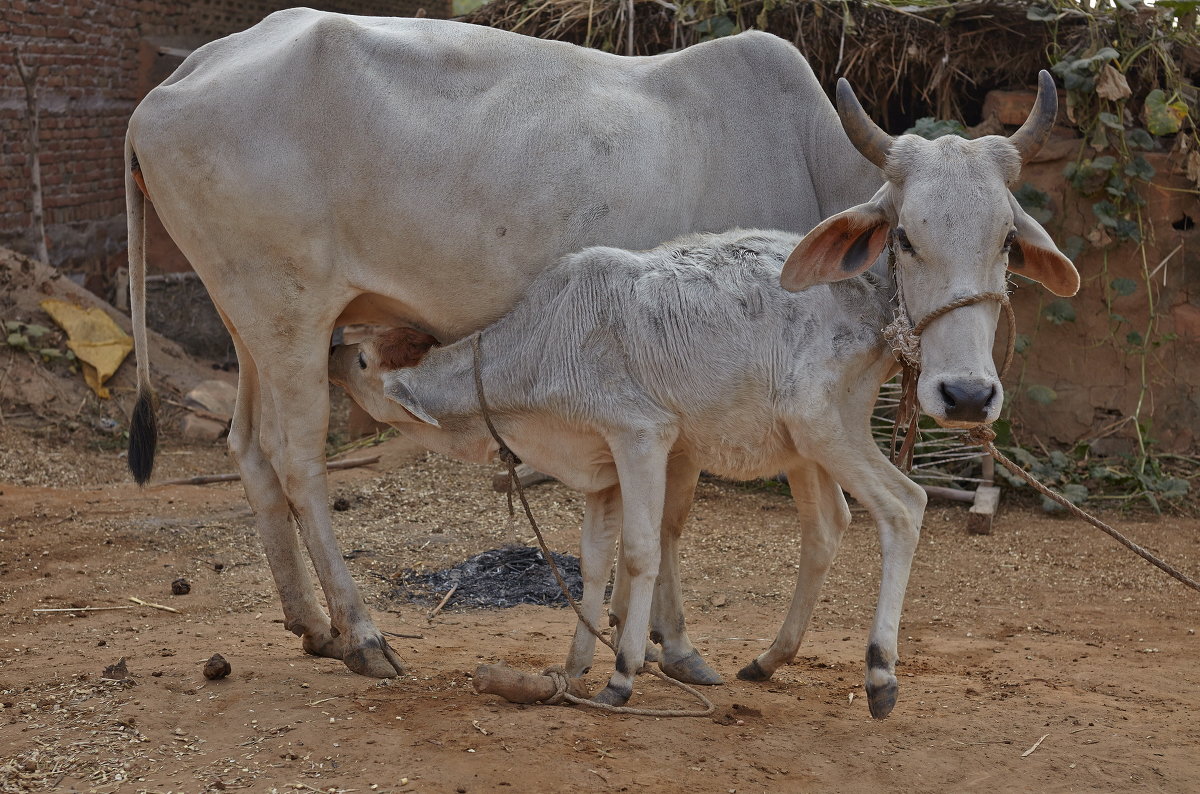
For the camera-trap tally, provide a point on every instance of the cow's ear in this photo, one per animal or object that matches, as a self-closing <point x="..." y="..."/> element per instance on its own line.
<point x="398" y="391"/>
<point x="1036" y="256"/>
<point x="841" y="246"/>
<point x="402" y="347"/>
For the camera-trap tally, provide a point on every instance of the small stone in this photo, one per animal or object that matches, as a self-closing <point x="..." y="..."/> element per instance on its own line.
<point x="181" y="586"/>
<point x="198" y="428"/>
<point x="216" y="667"/>
<point x="717" y="600"/>
<point x="116" y="672"/>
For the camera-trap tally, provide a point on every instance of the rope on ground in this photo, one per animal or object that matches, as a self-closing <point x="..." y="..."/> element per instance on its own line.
<point x="984" y="436"/>
<point x="556" y="673"/>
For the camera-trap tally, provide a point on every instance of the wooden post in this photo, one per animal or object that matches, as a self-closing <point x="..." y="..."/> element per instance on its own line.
<point x="979" y="519"/>
<point x="29" y="78"/>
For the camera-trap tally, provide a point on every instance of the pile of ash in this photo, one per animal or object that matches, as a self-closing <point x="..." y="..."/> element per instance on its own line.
<point x="497" y="579"/>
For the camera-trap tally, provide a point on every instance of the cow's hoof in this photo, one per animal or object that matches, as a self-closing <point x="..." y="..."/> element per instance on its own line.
<point x="692" y="669"/>
<point x="881" y="698"/>
<point x="374" y="659"/>
<point x="754" y="672"/>
<point x="653" y="653"/>
<point x="613" y="696"/>
<point x="324" y="644"/>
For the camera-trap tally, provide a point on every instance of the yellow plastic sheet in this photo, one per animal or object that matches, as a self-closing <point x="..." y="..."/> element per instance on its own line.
<point x="98" y="343"/>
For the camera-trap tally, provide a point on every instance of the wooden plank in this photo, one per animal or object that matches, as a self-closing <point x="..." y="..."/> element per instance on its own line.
<point x="987" y="501"/>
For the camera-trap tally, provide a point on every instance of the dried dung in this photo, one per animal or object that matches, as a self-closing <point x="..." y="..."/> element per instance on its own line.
<point x="496" y="579"/>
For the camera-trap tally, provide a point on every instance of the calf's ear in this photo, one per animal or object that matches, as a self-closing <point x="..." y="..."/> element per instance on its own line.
<point x="402" y="347"/>
<point x="840" y="247"/>
<point x="1035" y="256"/>
<point x="398" y="391"/>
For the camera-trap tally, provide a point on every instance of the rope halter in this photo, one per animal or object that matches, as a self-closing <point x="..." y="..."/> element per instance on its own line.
<point x="905" y="341"/>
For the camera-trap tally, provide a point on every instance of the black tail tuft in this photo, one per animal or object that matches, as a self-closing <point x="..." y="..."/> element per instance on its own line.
<point x="143" y="437"/>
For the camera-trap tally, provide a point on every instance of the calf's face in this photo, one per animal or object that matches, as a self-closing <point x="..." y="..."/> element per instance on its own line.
<point x="360" y="370"/>
<point x="955" y="228"/>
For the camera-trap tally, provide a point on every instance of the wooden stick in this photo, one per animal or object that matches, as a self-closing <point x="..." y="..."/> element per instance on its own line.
<point x="79" y="609"/>
<point x="404" y="636"/>
<point x="516" y="686"/>
<point x="29" y="78"/>
<point x="956" y="494"/>
<point x="1036" y="745"/>
<point x="136" y="600"/>
<point x="442" y="603"/>
<point x="204" y="479"/>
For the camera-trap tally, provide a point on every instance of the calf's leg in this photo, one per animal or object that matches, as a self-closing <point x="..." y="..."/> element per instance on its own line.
<point x="641" y="461"/>
<point x="824" y="517"/>
<point x="680" y="659"/>
<point x="898" y="506"/>
<point x="601" y="523"/>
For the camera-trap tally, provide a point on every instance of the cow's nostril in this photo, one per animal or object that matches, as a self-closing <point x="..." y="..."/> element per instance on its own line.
<point x="948" y="396"/>
<point x="967" y="401"/>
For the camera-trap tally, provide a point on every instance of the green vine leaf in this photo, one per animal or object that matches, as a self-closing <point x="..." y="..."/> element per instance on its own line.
<point x="1134" y="338"/>
<point x="931" y="128"/>
<point x="1106" y="213"/>
<point x="1036" y="203"/>
<point x="1111" y="121"/>
<point x="1124" y="287"/>
<point x="18" y="340"/>
<point x="1139" y="168"/>
<point x="1172" y="488"/>
<point x="1138" y="138"/>
<point x="1059" y="311"/>
<point x="1072" y="247"/>
<point x="1163" y="117"/>
<point x="1042" y="395"/>
<point x="1022" y="343"/>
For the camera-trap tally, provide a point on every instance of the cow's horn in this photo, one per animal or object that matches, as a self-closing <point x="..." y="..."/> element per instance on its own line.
<point x="1036" y="129"/>
<point x="871" y="142"/>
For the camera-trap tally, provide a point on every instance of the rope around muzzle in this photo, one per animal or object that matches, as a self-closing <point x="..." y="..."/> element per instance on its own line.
<point x="556" y="673"/>
<point x="905" y="340"/>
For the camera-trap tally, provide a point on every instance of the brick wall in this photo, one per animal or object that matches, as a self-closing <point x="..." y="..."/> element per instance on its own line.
<point x="94" y="61"/>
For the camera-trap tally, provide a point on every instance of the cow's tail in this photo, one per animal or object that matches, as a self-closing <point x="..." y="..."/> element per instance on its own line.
<point x="143" y="426"/>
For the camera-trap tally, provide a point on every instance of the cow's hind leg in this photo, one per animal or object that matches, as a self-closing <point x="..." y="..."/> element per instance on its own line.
<point x="302" y="613"/>
<point x="680" y="659"/>
<point x="824" y="517"/>
<point x="294" y="404"/>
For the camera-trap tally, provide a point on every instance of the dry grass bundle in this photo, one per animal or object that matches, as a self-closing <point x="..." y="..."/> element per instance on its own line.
<point x="904" y="60"/>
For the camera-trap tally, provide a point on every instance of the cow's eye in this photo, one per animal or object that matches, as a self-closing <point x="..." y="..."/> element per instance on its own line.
<point x="1010" y="239"/>
<point x="903" y="241"/>
<point x="362" y="360"/>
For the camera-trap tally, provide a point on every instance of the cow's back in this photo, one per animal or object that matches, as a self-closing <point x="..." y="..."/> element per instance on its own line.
<point x="423" y="160"/>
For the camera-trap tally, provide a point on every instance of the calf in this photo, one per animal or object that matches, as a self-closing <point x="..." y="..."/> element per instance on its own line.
<point x="621" y="373"/>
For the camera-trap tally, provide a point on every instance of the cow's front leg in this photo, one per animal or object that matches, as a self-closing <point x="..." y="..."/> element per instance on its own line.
<point x="641" y="460"/>
<point x="601" y="523"/>
<point x="898" y="506"/>
<point x="824" y="517"/>
<point x="295" y="406"/>
<point x="679" y="659"/>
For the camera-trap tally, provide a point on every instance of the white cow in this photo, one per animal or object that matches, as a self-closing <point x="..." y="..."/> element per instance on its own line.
<point x="320" y="169"/>
<point x="622" y="373"/>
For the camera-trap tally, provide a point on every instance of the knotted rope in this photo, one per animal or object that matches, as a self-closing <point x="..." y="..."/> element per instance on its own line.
<point x="905" y="340"/>
<point x="556" y="673"/>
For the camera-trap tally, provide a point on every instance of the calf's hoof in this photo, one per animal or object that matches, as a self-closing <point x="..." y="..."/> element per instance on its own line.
<point x="754" y="672"/>
<point x="613" y="696"/>
<point x="692" y="669"/>
<point x="881" y="698"/>
<point x="374" y="658"/>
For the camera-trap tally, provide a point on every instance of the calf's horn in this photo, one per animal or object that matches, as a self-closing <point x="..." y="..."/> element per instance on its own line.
<point x="1036" y="129"/>
<point x="871" y="141"/>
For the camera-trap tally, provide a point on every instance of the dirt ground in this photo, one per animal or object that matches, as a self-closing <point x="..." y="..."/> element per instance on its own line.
<point x="1043" y="633"/>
